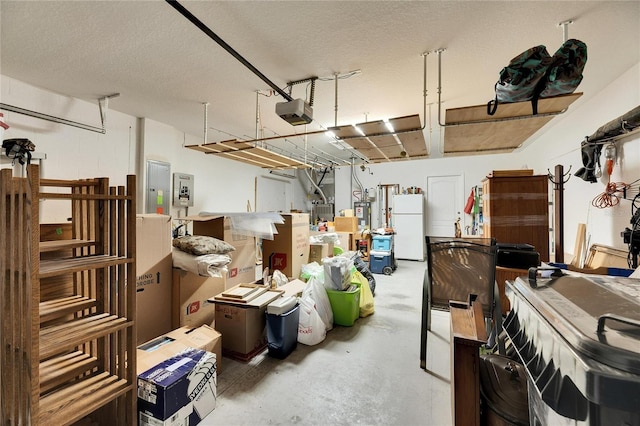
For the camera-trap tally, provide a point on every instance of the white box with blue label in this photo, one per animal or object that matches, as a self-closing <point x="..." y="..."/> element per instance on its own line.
<point x="180" y="391"/>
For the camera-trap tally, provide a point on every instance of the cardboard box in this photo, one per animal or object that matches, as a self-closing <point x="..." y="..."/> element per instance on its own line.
<point x="242" y="268"/>
<point x="344" y="239"/>
<point x="346" y="224"/>
<point x="243" y="325"/>
<point x="191" y="294"/>
<point x="178" y="391"/>
<point x="157" y="350"/>
<point x="289" y="249"/>
<point x="153" y="275"/>
<point x="318" y="251"/>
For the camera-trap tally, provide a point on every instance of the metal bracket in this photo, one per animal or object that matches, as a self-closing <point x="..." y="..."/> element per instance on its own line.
<point x="565" y="29"/>
<point x="103" y="115"/>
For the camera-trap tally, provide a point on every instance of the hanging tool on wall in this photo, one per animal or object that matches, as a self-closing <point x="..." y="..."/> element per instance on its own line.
<point x="610" y="157"/>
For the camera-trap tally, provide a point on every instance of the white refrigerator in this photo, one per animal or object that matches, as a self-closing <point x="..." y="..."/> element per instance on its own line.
<point x="408" y="223"/>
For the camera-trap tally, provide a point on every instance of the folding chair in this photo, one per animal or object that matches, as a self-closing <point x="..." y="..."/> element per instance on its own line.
<point x="456" y="268"/>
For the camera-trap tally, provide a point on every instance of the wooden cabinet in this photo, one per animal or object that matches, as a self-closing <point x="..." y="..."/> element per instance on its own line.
<point x="72" y="348"/>
<point x="516" y="210"/>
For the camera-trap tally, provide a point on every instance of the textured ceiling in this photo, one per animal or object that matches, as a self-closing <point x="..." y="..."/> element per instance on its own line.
<point x="165" y="68"/>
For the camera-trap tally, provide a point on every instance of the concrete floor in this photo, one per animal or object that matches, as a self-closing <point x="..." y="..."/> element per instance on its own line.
<point x="368" y="374"/>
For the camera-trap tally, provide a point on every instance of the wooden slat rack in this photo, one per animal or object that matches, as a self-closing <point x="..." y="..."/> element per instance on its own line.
<point x="379" y="144"/>
<point x="470" y="130"/>
<point x="71" y="332"/>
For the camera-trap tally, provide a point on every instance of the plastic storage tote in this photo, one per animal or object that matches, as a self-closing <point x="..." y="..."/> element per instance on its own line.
<point x="282" y="332"/>
<point x="381" y="262"/>
<point x="382" y="242"/>
<point x="345" y="305"/>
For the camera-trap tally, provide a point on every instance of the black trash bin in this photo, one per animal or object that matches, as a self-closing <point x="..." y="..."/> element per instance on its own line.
<point x="282" y="332"/>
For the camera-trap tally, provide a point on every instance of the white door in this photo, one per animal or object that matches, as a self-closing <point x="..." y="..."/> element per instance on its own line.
<point x="444" y="204"/>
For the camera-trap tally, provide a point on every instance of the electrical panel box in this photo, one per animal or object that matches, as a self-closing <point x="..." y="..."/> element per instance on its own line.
<point x="183" y="190"/>
<point x="158" y="187"/>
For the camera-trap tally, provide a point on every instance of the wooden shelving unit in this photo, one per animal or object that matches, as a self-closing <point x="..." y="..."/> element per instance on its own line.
<point x="68" y="325"/>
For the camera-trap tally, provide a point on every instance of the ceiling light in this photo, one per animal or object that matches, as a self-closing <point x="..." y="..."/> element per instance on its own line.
<point x="330" y="134"/>
<point x="359" y="130"/>
<point x="389" y="125"/>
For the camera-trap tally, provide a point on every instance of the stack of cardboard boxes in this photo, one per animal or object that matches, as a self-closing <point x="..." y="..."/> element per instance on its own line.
<point x="178" y="310"/>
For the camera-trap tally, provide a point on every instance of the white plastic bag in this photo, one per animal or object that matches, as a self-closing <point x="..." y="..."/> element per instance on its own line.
<point x="311" y="329"/>
<point x="316" y="290"/>
<point x="337" y="272"/>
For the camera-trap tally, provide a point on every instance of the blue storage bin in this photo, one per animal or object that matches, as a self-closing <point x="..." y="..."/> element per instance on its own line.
<point x="382" y="242"/>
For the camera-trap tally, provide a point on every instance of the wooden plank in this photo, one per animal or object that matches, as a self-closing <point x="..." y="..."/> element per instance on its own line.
<point x="241" y="291"/>
<point x="67" y="336"/>
<point x="409" y="122"/>
<point x="52" y="267"/>
<point x="59" y="370"/>
<point x="67" y="183"/>
<point x="344" y="131"/>
<point x="76" y="401"/>
<point x="468" y="324"/>
<point x="55" y="231"/>
<point x="370" y="128"/>
<point x="61" y="196"/>
<point x="485" y="135"/>
<point x="414" y="144"/>
<point x="601" y="255"/>
<point x="251" y="161"/>
<point x="579" y="247"/>
<point x="244" y="152"/>
<point x="56" y="287"/>
<point x="510" y="173"/>
<point x="360" y="143"/>
<point x="388" y="146"/>
<point x="57" y="308"/>
<point x="478" y="113"/>
<point x="33" y="178"/>
<point x="257" y="154"/>
<point x="468" y="333"/>
<point x="200" y="148"/>
<point x="48" y="246"/>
